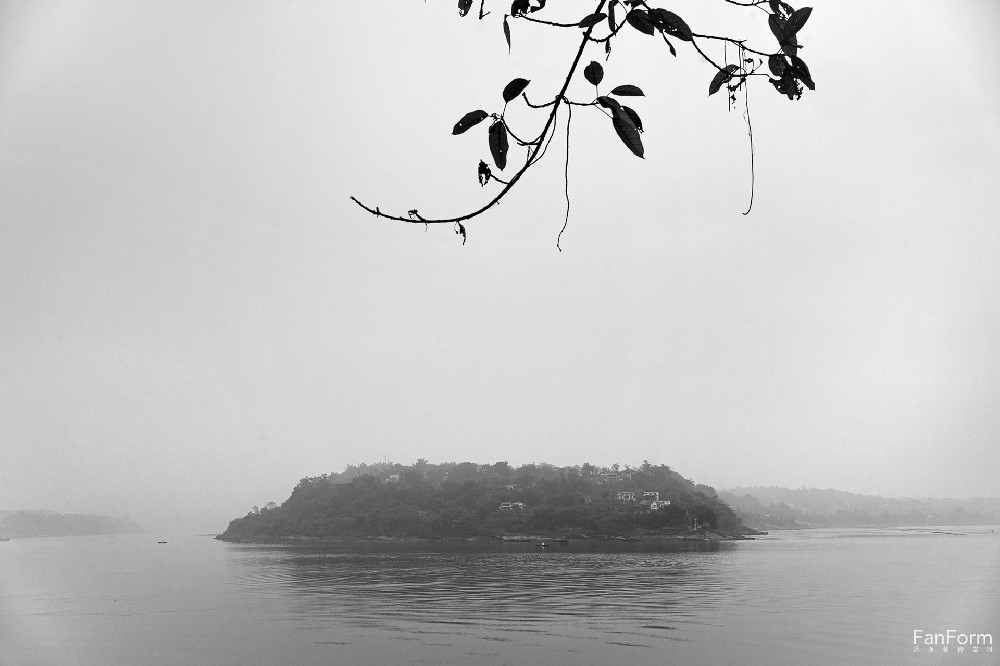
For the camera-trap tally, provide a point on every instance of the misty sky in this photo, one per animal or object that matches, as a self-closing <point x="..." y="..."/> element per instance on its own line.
<point x="193" y="315"/>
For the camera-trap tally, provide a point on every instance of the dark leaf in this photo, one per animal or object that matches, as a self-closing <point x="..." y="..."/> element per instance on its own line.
<point x="484" y="173"/>
<point x="627" y="90"/>
<point x="506" y="33"/>
<point x="801" y="72"/>
<point x="786" y="85"/>
<point x="609" y="103"/>
<point x="464" y="6"/>
<point x="627" y="132"/>
<point x="468" y="120"/>
<point x="519" y="7"/>
<point x="777" y="26"/>
<point x="541" y="5"/>
<point x="722" y="76"/>
<point x="670" y="46"/>
<point x="639" y="20"/>
<point x="670" y="23"/>
<point x="776" y="64"/>
<point x="592" y="20"/>
<point x="633" y="116"/>
<point x="498" y="144"/>
<point x="594" y="72"/>
<point x="790" y="45"/>
<point x="611" y="16"/>
<point x="797" y="20"/>
<point x="514" y="88"/>
<point x="460" y="230"/>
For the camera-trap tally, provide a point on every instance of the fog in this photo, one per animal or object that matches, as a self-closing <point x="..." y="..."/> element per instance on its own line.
<point x="195" y="315"/>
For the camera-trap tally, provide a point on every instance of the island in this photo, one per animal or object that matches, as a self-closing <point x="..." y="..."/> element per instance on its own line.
<point x="469" y="500"/>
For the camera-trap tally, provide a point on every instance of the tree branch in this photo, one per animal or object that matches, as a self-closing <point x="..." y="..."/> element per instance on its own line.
<point x="517" y="176"/>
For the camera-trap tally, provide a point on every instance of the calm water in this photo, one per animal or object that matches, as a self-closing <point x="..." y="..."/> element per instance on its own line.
<point x="823" y="596"/>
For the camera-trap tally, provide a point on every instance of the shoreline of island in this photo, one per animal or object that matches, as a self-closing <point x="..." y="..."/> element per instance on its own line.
<point x="702" y="535"/>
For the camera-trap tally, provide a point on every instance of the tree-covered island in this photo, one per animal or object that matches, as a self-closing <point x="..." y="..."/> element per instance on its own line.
<point x="464" y="500"/>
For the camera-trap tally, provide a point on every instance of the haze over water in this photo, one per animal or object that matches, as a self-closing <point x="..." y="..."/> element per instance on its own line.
<point x="820" y="596"/>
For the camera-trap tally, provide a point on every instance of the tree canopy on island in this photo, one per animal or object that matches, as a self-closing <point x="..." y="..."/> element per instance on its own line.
<point x="610" y="20"/>
<point x="466" y="499"/>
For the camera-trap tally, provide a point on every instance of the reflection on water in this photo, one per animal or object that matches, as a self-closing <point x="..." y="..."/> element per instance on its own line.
<point x="508" y="591"/>
<point x="848" y="596"/>
<point x="490" y="602"/>
<point x="812" y="597"/>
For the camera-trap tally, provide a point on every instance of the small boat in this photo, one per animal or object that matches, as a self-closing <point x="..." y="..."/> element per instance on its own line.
<point x="161" y="542"/>
<point x="543" y="544"/>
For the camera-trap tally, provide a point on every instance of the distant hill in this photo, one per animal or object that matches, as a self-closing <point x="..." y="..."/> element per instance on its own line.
<point x="454" y="500"/>
<point x="789" y="508"/>
<point x="50" y="524"/>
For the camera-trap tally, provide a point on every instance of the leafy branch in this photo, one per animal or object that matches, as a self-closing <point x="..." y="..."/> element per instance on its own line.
<point x="786" y="72"/>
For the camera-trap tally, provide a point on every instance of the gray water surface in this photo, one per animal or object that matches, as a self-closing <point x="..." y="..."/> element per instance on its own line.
<point x="818" y="596"/>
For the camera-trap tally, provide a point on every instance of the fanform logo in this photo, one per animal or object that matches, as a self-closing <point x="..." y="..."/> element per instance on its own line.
<point x="952" y="639"/>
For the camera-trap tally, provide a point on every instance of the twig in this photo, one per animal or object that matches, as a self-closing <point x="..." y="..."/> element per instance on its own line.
<point x="532" y="156"/>
<point x="569" y="117"/>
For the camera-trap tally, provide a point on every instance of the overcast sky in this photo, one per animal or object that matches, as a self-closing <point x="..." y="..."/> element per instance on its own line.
<point x="193" y="315"/>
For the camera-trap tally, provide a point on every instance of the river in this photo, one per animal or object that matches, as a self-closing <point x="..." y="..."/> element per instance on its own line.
<point x="807" y="597"/>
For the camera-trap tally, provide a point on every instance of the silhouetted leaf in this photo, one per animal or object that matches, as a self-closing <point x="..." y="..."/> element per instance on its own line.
<point x="801" y="72"/>
<point x="787" y="85"/>
<point x="777" y="26"/>
<point x="790" y="45"/>
<point x="627" y="89"/>
<point x="519" y="7"/>
<point x="468" y="120"/>
<point x="609" y="103"/>
<point x="776" y="64"/>
<point x="506" y="33"/>
<point x="722" y="76"/>
<point x="594" y="73"/>
<point x="639" y="20"/>
<point x="484" y="173"/>
<point x="627" y="132"/>
<point x="498" y="144"/>
<point x="633" y="116"/>
<point x="592" y="20"/>
<point x="514" y="88"/>
<point x="797" y="20"/>
<point x="541" y="5"/>
<point x="611" y="16"/>
<point x="460" y="230"/>
<point x="670" y="23"/>
<point x="464" y="6"/>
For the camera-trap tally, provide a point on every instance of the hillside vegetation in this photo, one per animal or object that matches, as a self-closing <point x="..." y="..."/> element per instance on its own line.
<point x="774" y="508"/>
<point x="454" y="500"/>
<point x="51" y="523"/>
